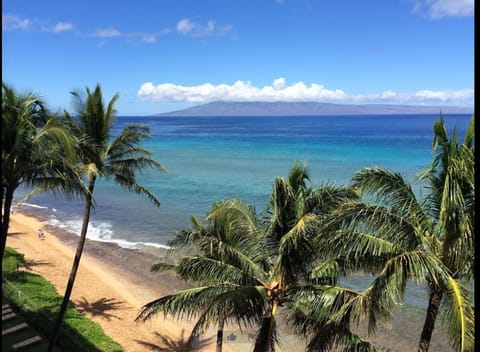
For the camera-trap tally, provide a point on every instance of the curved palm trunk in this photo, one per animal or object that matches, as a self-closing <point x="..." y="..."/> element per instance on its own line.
<point x="6" y="217"/>
<point x="76" y="263"/>
<point x="221" y="324"/>
<point x="432" y="312"/>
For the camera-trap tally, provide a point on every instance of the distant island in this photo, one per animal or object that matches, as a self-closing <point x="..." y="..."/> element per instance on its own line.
<point x="310" y="108"/>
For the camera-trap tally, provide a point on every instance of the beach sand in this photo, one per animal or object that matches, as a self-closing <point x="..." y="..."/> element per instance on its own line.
<point x="109" y="287"/>
<point x="113" y="283"/>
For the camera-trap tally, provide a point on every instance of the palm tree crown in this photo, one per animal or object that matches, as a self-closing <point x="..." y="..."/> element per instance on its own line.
<point x="250" y="267"/>
<point x="393" y="233"/>
<point x="102" y="155"/>
<point x="36" y="151"/>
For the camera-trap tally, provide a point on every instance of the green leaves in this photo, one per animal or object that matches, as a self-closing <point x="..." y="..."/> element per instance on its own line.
<point x="118" y="158"/>
<point x="293" y="256"/>
<point x="37" y="150"/>
<point x="404" y="239"/>
<point x="251" y="266"/>
<point x="459" y="317"/>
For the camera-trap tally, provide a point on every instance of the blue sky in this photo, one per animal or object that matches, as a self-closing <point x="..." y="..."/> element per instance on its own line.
<point x="162" y="56"/>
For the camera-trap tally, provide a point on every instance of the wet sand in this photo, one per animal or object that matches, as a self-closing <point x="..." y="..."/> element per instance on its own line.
<point x="113" y="283"/>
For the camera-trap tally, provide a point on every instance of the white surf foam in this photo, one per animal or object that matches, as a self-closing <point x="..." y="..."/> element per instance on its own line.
<point x="99" y="231"/>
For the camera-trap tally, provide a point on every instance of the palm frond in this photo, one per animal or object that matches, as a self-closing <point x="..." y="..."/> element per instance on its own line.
<point x="327" y="198"/>
<point x="233" y="223"/>
<point x="209" y="270"/>
<point x="459" y="316"/>
<point x="187" y="237"/>
<point x="468" y="140"/>
<point x="295" y="248"/>
<point x="183" y="304"/>
<point x="53" y="134"/>
<point x="130" y="184"/>
<point x="406" y="230"/>
<point x="243" y="306"/>
<point x="324" y="314"/>
<point x="386" y="187"/>
<point x="163" y="267"/>
<point x="214" y="247"/>
<point x="283" y="209"/>
<point x="388" y="288"/>
<point x="298" y="176"/>
<point x="326" y="272"/>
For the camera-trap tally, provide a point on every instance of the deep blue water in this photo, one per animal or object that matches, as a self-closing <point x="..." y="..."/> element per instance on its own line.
<point x="213" y="158"/>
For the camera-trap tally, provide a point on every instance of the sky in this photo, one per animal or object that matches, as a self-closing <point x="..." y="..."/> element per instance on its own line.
<point x="167" y="55"/>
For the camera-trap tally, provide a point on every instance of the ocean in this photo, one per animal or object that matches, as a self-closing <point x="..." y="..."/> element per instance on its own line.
<point x="213" y="158"/>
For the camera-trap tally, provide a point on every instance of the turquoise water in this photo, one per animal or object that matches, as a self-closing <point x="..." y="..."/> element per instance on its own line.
<point x="213" y="158"/>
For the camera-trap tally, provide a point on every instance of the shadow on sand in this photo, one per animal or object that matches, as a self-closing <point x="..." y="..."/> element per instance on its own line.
<point x="101" y="307"/>
<point x="182" y="344"/>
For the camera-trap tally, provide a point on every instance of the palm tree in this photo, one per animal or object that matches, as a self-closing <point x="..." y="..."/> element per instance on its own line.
<point x="451" y="203"/>
<point x="403" y="238"/>
<point x="101" y="155"/>
<point x="208" y="244"/>
<point x="35" y="151"/>
<point x="248" y="268"/>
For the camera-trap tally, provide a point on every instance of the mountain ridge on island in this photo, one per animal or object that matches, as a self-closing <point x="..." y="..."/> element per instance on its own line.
<point x="310" y="108"/>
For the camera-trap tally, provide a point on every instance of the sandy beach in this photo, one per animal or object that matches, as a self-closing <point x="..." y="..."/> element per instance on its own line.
<point x="110" y="295"/>
<point x="113" y="283"/>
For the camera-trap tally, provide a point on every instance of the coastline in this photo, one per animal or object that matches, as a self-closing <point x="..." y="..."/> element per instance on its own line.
<point x="111" y="285"/>
<point x="114" y="282"/>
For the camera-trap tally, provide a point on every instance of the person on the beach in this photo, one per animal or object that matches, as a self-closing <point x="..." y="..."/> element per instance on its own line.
<point x="40" y="234"/>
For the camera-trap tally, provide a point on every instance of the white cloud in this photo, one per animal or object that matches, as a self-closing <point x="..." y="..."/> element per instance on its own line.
<point x="242" y="91"/>
<point x="12" y="22"/>
<point x="437" y="9"/>
<point x="444" y="8"/>
<point x="184" y="26"/>
<point x="149" y="38"/>
<point x="62" y="27"/>
<point x="279" y="83"/>
<point x="194" y="29"/>
<point x="107" y="33"/>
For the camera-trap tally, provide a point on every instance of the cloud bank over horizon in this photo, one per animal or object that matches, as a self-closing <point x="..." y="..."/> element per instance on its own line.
<point x="279" y="91"/>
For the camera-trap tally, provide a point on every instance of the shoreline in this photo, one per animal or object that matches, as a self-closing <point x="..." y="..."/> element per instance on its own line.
<point x="108" y="288"/>
<point x="121" y="278"/>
